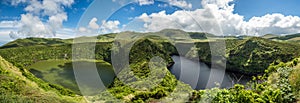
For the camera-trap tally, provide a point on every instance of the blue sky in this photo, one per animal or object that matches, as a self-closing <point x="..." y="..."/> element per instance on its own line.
<point x="246" y="8"/>
<point x="250" y="8"/>
<point x="12" y="12"/>
<point x="125" y="13"/>
<point x="273" y="16"/>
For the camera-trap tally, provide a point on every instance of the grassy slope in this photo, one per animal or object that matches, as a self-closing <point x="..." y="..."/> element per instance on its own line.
<point x="269" y="36"/>
<point x="61" y="72"/>
<point x="36" y="41"/>
<point x="255" y="54"/>
<point x="240" y="52"/>
<point x="145" y="86"/>
<point x="287" y="37"/>
<point x="250" y="56"/>
<point x="15" y="87"/>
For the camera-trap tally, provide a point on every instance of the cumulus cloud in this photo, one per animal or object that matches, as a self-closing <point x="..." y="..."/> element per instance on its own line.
<point x="181" y="3"/>
<point x="82" y="29"/>
<point x="4" y="37"/>
<point x="92" y="27"/>
<point x="184" y="20"/>
<point x="105" y="27"/>
<point x="9" y="24"/>
<point x="93" y="24"/>
<point x="110" y="26"/>
<point x="16" y="2"/>
<point x="272" y="23"/>
<point x="145" y="2"/>
<point x="65" y="33"/>
<point x="33" y="26"/>
<point x="217" y="17"/>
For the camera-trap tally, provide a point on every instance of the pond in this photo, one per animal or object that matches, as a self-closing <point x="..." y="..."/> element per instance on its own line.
<point x="61" y="72"/>
<point x="197" y="74"/>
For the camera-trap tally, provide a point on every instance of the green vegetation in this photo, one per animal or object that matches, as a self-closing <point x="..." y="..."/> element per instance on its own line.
<point x="269" y="36"/>
<point x="45" y="69"/>
<point x="35" y="41"/>
<point x="280" y="84"/>
<point x="61" y="72"/>
<point x="15" y="87"/>
<point x="287" y="37"/>
<point x="254" y="55"/>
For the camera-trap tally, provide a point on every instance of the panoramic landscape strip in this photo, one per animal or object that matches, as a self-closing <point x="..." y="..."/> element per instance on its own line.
<point x="149" y="51"/>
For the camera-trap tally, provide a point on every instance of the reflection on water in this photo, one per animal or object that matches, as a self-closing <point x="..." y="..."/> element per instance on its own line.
<point x="197" y="74"/>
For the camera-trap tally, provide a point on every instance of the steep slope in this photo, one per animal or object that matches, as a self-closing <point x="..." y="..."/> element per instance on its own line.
<point x="143" y="83"/>
<point x="292" y="37"/>
<point x="35" y="41"/>
<point x="15" y="87"/>
<point x="249" y="56"/>
<point x="269" y="36"/>
<point x="254" y="55"/>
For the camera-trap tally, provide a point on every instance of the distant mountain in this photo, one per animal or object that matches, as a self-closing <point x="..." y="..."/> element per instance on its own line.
<point x="254" y="55"/>
<point x="36" y="41"/>
<point x="250" y="55"/>
<point x="269" y="36"/>
<point x="291" y="37"/>
<point x="246" y="55"/>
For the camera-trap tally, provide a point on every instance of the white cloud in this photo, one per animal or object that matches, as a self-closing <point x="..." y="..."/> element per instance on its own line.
<point x="145" y="2"/>
<point x="16" y="2"/>
<point x="32" y="26"/>
<point x="4" y="36"/>
<point x="56" y="21"/>
<point x="93" y="24"/>
<point x="65" y="33"/>
<point x="106" y="27"/>
<point x="222" y="4"/>
<point x="132" y="8"/>
<point x="217" y="17"/>
<point x="184" y="20"/>
<point x="181" y="3"/>
<point x="82" y="29"/>
<point x="9" y="24"/>
<point x="110" y="26"/>
<point x="90" y="29"/>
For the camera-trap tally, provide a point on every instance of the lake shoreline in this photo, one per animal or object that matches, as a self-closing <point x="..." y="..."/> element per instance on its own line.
<point x="191" y="67"/>
<point x="209" y="64"/>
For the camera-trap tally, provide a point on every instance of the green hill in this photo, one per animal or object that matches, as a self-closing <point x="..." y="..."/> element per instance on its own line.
<point x="16" y="88"/>
<point x="251" y="56"/>
<point x="35" y="41"/>
<point x="269" y="36"/>
<point x="291" y="37"/>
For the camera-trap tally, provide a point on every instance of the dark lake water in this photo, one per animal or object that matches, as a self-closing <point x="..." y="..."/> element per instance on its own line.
<point x="198" y="74"/>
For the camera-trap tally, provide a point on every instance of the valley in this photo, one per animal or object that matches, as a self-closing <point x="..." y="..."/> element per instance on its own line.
<point x="49" y="63"/>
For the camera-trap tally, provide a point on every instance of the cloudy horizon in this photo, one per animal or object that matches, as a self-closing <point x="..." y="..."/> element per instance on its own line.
<point x="59" y="18"/>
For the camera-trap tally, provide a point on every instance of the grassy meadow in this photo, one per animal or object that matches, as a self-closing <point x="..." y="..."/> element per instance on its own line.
<point x="61" y="72"/>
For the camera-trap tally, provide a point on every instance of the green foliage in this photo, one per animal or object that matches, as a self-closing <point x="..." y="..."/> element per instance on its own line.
<point x="14" y="87"/>
<point x="294" y="80"/>
<point x="34" y="42"/>
<point x="197" y="35"/>
<point x="247" y="56"/>
<point x="139" y="89"/>
<point x="254" y="55"/>
<point x="280" y="87"/>
<point x="238" y="94"/>
<point x="286" y="37"/>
